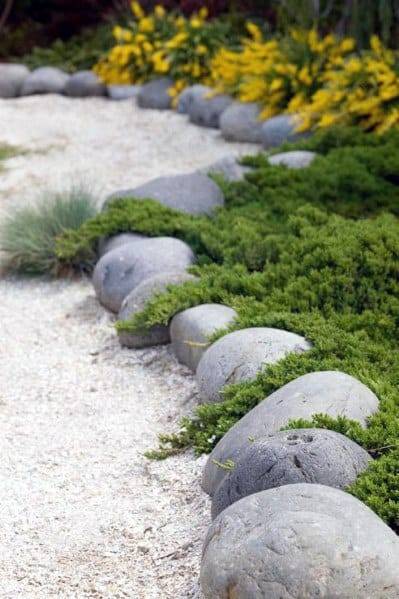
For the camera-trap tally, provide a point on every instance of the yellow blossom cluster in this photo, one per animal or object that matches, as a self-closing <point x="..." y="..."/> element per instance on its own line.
<point x="164" y="43"/>
<point x="280" y="74"/>
<point x="364" y="90"/>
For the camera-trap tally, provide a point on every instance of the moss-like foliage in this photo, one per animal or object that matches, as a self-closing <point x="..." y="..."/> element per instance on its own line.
<point x="315" y="252"/>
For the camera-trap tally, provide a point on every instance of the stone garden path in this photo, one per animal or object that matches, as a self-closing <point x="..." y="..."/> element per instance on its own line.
<point x="83" y="513"/>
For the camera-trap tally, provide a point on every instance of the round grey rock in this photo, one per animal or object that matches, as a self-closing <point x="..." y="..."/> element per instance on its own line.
<point x="107" y="245"/>
<point x="326" y="392"/>
<point x="278" y="129"/>
<point x="12" y="77"/>
<point x="83" y="84"/>
<point x="296" y="159"/>
<point x="155" y="94"/>
<point x="194" y="193"/>
<point x="228" y="167"/>
<point x="206" y="109"/>
<point x="123" y="92"/>
<point x="45" y="80"/>
<point x="122" y="269"/>
<point x="239" y="356"/>
<point x="300" y="542"/>
<point x="288" y="457"/>
<point x="136" y="301"/>
<point x="190" y="330"/>
<point x="186" y="97"/>
<point x="241" y="122"/>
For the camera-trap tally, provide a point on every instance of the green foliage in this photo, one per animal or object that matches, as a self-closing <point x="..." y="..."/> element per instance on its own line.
<point x="28" y="234"/>
<point x="80" y="52"/>
<point x="315" y="252"/>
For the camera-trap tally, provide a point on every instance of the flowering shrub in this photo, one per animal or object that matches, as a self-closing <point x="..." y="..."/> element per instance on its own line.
<point x="279" y="74"/>
<point x="363" y="90"/>
<point x="162" y="43"/>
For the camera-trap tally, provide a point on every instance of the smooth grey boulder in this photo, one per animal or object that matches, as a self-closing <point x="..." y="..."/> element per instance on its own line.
<point x="229" y="167"/>
<point x="12" y="77"/>
<point x="326" y="392"/>
<point x="194" y="193"/>
<point x="239" y="356"/>
<point x="107" y="245"/>
<point x="288" y="457"/>
<point x="186" y="97"/>
<point x="155" y="94"/>
<point x="122" y="269"/>
<point x="136" y="301"/>
<point x="279" y="129"/>
<point x="123" y="92"/>
<point x="83" y="84"/>
<point x="45" y="80"/>
<point x="190" y="330"/>
<point x="241" y="122"/>
<point x="206" y="109"/>
<point x="300" y="542"/>
<point x="296" y="159"/>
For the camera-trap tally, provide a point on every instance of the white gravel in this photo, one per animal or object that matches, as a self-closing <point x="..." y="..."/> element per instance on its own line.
<point x="83" y="512"/>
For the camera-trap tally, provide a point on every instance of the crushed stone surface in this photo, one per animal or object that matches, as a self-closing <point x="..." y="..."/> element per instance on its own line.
<point x="83" y="512"/>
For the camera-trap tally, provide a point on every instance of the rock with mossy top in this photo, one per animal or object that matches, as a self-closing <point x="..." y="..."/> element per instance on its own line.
<point x="12" y="77"/>
<point x="45" y="80"/>
<point x="106" y="245"/>
<point x="85" y="83"/>
<point x="239" y="356"/>
<point x="194" y="193"/>
<point x="191" y="329"/>
<point x="279" y="129"/>
<point x="241" y="122"/>
<point x="287" y="457"/>
<point x="155" y="94"/>
<point x="296" y="159"/>
<point x="300" y="541"/>
<point x="123" y="269"/>
<point x="206" y="108"/>
<point x="135" y="302"/>
<point x="327" y="392"/>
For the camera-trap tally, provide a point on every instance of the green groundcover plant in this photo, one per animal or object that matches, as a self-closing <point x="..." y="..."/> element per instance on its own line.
<point x="313" y="251"/>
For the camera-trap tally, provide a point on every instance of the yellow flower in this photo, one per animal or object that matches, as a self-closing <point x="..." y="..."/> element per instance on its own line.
<point x="201" y="50"/>
<point x="159" y="11"/>
<point x="146" y="25"/>
<point x="195" y="22"/>
<point x="137" y="10"/>
<point x="254" y="31"/>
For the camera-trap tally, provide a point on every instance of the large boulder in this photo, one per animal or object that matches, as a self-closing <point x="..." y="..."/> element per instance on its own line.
<point x="194" y="193"/>
<point x="296" y="159"/>
<point x="300" y="542"/>
<point x="278" y="129"/>
<point x="241" y="122"/>
<point x="136" y="301"/>
<point x="239" y="356"/>
<point x="12" y="77"/>
<point x="85" y="83"/>
<point x="155" y="94"/>
<point x="123" y="92"/>
<point x="190" y="330"/>
<point x="328" y="392"/>
<point x="45" y="80"/>
<point x="228" y="167"/>
<point x="187" y="96"/>
<point x="122" y="269"/>
<point x="106" y="245"/>
<point x="288" y="457"/>
<point x="206" y="109"/>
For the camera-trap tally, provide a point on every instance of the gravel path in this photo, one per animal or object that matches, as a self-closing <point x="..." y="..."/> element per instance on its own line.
<point x="83" y="513"/>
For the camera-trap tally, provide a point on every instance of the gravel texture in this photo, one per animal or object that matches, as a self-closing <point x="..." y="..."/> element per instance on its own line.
<point x="84" y="514"/>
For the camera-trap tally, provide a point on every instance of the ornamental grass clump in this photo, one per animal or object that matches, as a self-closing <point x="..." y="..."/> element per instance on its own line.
<point x="28" y="235"/>
<point x="315" y="252"/>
